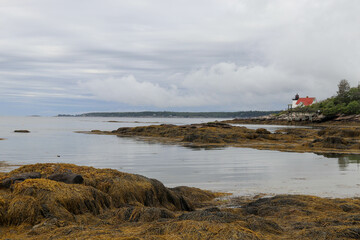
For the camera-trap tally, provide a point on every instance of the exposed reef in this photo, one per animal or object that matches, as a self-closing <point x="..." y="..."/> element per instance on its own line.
<point x="331" y="139"/>
<point x="21" y="131"/>
<point x="109" y="204"/>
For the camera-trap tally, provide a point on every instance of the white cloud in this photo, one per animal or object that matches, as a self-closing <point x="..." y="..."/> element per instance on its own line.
<point x="128" y="90"/>
<point x="221" y="84"/>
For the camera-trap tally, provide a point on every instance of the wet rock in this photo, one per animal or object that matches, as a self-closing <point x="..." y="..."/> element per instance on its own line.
<point x="262" y="131"/>
<point x="6" y="183"/>
<point x="217" y="124"/>
<point x="67" y="177"/>
<point x="194" y="194"/>
<point x="21" y="131"/>
<point x="95" y="131"/>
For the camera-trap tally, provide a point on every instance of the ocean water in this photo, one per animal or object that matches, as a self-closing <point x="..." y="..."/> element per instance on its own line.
<point x="241" y="171"/>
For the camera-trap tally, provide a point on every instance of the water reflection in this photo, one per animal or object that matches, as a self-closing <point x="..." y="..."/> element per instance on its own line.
<point x="165" y="142"/>
<point x="344" y="159"/>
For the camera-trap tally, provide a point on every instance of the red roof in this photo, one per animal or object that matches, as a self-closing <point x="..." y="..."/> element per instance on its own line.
<point x="306" y="101"/>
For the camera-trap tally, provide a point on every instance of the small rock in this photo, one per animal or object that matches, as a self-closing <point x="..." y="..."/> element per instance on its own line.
<point x="22" y="131"/>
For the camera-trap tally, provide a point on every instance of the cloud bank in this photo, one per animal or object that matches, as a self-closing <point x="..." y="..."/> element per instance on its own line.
<point x="181" y="55"/>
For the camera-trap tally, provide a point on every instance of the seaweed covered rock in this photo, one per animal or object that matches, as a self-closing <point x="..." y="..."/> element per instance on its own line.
<point x="219" y="134"/>
<point x="123" y="188"/>
<point x="23" y="209"/>
<point x="198" y="197"/>
<point x="38" y="198"/>
<point x="6" y="183"/>
<point x="273" y="205"/>
<point x="143" y="214"/>
<point x="210" y="216"/>
<point x="262" y="131"/>
<point x="190" y="229"/>
<point x="260" y="224"/>
<point x="331" y="142"/>
<point x="32" y="199"/>
<point x="195" y="194"/>
<point x="67" y="177"/>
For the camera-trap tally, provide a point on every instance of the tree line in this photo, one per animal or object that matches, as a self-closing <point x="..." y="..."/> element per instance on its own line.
<point x="346" y="101"/>
<point x="168" y="114"/>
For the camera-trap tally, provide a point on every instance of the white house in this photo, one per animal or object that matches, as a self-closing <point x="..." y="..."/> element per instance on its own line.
<point x="300" y="102"/>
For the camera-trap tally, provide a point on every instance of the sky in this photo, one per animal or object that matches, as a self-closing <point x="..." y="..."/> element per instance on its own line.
<point x="68" y="57"/>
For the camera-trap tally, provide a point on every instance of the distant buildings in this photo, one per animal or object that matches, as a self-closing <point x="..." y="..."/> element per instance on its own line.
<point x="300" y="102"/>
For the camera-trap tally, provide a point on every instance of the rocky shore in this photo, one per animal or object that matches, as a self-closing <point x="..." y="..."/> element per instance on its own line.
<point x="108" y="204"/>
<point x="321" y="139"/>
<point x="301" y="119"/>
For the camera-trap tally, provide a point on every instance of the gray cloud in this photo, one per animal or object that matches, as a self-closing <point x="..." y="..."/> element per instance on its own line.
<point x="226" y="54"/>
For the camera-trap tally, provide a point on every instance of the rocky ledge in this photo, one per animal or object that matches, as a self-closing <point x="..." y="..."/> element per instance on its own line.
<point x="331" y="139"/>
<point x="108" y="204"/>
<point x="299" y="118"/>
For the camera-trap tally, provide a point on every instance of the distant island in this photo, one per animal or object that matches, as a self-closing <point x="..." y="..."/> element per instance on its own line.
<point x="168" y="114"/>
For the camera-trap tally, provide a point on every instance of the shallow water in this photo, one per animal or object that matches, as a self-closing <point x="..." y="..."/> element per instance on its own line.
<point x="238" y="170"/>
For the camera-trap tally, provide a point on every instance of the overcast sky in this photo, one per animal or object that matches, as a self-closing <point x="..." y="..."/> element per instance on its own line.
<point x="66" y="56"/>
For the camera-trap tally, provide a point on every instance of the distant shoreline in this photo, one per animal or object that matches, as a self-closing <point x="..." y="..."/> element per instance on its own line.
<point x="169" y="114"/>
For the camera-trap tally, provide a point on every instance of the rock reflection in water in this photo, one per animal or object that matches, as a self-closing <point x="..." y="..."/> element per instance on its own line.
<point x="344" y="159"/>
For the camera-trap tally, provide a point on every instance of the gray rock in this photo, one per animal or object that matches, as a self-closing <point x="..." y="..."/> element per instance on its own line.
<point x="67" y="177"/>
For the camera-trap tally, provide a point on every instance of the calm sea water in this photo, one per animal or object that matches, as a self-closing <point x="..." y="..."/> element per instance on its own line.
<point x="240" y="171"/>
